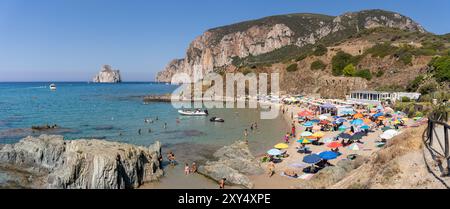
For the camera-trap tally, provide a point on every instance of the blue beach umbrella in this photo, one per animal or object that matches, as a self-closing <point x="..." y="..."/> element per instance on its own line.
<point x="315" y="121"/>
<point x="308" y="124"/>
<point x="357" y="122"/>
<point x="274" y="152"/>
<point x="341" y="120"/>
<point x="365" y="127"/>
<point x="312" y="159"/>
<point x="328" y="155"/>
<point x="378" y="115"/>
<point x="343" y="128"/>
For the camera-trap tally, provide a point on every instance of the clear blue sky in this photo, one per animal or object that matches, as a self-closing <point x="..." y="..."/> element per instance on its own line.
<point x="69" y="40"/>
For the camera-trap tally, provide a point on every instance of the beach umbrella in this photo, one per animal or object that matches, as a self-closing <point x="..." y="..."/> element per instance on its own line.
<point x="315" y="121"/>
<point x="365" y="127"/>
<point x="386" y="136"/>
<point x="304" y="141"/>
<point x="327" y="140"/>
<point x="367" y="121"/>
<point x="281" y="146"/>
<point x="323" y="117"/>
<point x="336" y="117"/>
<point x="357" y="136"/>
<point x="305" y="113"/>
<point x="324" y="122"/>
<point x="357" y="122"/>
<point x="308" y="124"/>
<point x="355" y="147"/>
<point x="306" y="133"/>
<point x="312" y="159"/>
<point x="358" y="115"/>
<point x="342" y="128"/>
<point x="274" y="152"/>
<point x="316" y="128"/>
<point x="328" y="155"/>
<point x="345" y="135"/>
<point x="378" y="115"/>
<point x="334" y="145"/>
<point x="341" y="120"/>
<point x="318" y="134"/>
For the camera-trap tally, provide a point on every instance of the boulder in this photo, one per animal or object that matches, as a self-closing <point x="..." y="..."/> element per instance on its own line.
<point x="83" y="164"/>
<point x="233" y="162"/>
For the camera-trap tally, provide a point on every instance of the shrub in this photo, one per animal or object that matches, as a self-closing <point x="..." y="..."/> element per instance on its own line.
<point x="379" y="73"/>
<point x="406" y="99"/>
<point x="318" y="65"/>
<point x="339" y="62"/>
<point x="349" y="70"/>
<point x="382" y="49"/>
<point x="364" y="74"/>
<point x="301" y="57"/>
<point x="320" y="50"/>
<point x="428" y="88"/>
<point x="419" y="114"/>
<point x="414" y="84"/>
<point x="292" y="67"/>
<point x="440" y="67"/>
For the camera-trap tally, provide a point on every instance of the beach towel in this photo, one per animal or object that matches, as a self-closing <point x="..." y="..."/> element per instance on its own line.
<point x="306" y="176"/>
<point x="283" y="174"/>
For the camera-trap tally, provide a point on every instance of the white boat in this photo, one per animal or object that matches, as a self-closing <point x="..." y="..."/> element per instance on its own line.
<point x="52" y="87"/>
<point x="193" y="113"/>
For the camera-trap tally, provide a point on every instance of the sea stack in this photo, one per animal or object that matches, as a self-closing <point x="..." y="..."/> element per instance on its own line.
<point x="107" y="75"/>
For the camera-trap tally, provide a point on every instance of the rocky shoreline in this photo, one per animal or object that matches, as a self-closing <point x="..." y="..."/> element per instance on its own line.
<point x="52" y="162"/>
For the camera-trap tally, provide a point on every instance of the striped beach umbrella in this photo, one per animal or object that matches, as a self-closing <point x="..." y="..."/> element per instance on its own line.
<point x="304" y="141"/>
<point x="355" y="147"/>
<point x="306" y="134"/>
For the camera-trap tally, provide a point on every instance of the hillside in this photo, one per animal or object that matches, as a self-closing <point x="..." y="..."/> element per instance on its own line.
<point x="387" y="51"/>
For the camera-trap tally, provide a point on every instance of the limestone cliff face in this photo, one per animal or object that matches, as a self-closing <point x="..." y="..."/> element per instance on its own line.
<point x="107" y="75"/>
<point x="82" y="164"/>
<point x="217" y="48"/>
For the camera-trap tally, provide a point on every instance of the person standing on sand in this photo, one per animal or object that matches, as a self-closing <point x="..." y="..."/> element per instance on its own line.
<point x="293" y="130"/>
<point x="186" y="169"/>
<point x="222" y="183"/>
<point x="246" y="136"/>
<point x="251" y="127"/>
<point x="271" y="169"/>
<point x="286" y="138"/>
<point x="256" y="126"/>
<point x="194" y="168"/>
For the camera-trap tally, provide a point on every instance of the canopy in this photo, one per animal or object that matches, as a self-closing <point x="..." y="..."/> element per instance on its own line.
<point x="312" y="159"/>
<point x="358" y="115"/>
<point x="306" y="133"/>
<point x="355" y="147"/>
<point x="328" y="155"/>
<point x="386" y="136"/>
<point x="274" y="152"/>
<point x="327" y="106"/>
<point x="305" y="113"/>
<point x="281" y="146"/>
<point x="318" y="134"/>
<point x="391" y="132"/>
<point x="304" y="141"/>
<point x="334" y="145"/>
<point x="308" y="124"/>
<point x="357" y="122"/>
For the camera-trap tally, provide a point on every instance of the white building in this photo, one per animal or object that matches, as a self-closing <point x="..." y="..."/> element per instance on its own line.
<point x="375" y="97"/>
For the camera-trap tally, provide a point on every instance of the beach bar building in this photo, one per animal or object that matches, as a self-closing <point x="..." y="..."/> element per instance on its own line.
<point x="376" y="97"/>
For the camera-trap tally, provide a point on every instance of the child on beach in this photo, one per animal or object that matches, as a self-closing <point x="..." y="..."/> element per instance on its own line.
<point x="286" y="138"/>
<point x="194" y="168"/>
<point x="186" y="169"/>
<point x="222" y="183"/>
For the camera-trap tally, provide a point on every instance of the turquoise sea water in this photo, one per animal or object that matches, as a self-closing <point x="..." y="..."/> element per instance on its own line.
<point x="116" y="112"/>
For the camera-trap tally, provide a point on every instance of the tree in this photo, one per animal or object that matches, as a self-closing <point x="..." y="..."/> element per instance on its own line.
<point x="349" y="70"/>
<point x="364" y="74"/>
<point x="414" y="84"/>
<point x="441" y="68"/>
<point x="339" y="62"/>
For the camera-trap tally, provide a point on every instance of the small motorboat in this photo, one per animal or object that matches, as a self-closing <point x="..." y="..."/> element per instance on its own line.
<point x="193" y="113"/>
<point x="216" y="119"/>
<point x="52" y="87"/>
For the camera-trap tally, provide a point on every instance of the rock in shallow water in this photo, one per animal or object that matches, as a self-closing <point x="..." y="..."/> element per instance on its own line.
<point x="84" y="164"/>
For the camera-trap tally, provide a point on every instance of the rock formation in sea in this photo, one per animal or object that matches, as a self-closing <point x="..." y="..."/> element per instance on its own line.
<point x="234" y="162"/>
<point x="107" y="75"/>
<point x="81" y="164"/>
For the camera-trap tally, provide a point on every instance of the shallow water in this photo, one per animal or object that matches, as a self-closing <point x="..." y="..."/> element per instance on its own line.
<point x="116" y="112"/>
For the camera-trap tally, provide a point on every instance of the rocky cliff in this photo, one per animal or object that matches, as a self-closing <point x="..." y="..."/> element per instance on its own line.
<point x="223" y="47"/>
<point x="107" y="75"/>
<point x="81" y="164"/>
